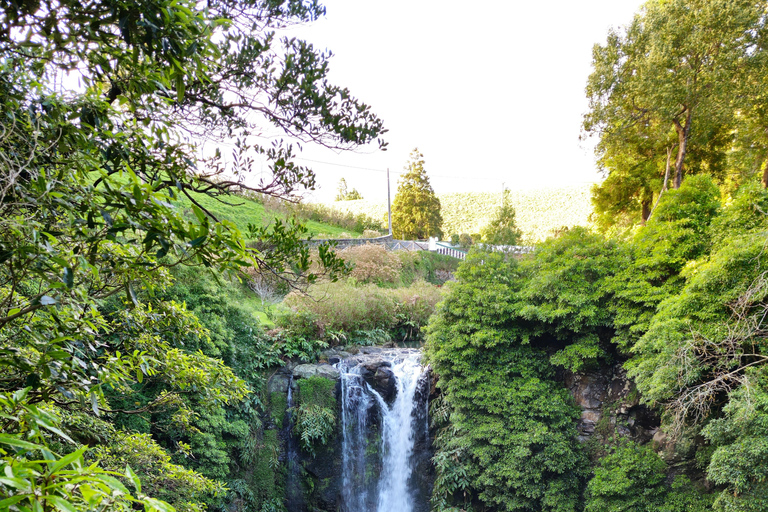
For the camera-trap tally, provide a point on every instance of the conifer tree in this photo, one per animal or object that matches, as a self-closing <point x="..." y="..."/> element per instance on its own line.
<point x="416" y="208"/>
<point x="502" y="229"/>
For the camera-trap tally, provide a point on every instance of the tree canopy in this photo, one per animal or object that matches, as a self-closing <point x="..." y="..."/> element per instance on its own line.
<point x="665" y="96"/>
<point x="108" y="111"/>
<point x="416" y="208"/>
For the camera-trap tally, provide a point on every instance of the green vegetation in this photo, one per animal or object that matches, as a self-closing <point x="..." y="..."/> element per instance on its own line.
<point x="388" y="296"/>
<point x="416" y="209"/>
<point x="135" y="364"/>
<point x="677" y="92"/>
<point x="539" y="213"/>
<point x="316" y="416"/>
<point x="243" y="211"/>
<point x="105" y="361"/>
<point x="344" y="194"/>
<point x="502" y="230"/>
<point x="680" y="303"/>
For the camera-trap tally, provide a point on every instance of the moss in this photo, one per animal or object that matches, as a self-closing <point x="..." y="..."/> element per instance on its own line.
<point x="317" y="391"/>
<point x="316" y="416"/>
<point x="266" y="478"/>
<point x="278" y="403"/>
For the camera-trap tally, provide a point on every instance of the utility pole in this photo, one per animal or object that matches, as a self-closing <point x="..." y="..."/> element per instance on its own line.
<point x="389" y="205"/>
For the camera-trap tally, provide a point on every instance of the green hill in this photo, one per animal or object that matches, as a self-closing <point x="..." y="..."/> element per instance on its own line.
<point x="540" y="212"/>
<point x="243" y="211"/>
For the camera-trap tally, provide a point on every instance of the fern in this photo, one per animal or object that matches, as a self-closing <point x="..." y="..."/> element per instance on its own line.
<point x="314" y="424"/>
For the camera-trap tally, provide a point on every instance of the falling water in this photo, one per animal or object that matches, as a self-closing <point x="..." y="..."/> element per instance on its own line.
<point x="294" y="498"/>
<point x="379" y="435"/>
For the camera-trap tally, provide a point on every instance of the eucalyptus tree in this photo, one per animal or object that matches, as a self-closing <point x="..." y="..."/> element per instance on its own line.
<point x="107" y="111"/>
<point x="665" y="92"/>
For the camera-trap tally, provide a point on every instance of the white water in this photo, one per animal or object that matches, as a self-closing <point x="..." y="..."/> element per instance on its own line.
<point x="383" y="484"/>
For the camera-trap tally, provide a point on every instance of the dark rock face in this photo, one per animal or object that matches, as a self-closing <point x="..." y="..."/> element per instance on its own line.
<point x="609" y="404"/>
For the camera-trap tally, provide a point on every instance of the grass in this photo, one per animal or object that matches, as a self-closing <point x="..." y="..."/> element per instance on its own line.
<point x="242" y="211"/>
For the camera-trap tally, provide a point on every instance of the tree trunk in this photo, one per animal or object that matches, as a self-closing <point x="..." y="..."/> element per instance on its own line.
<point x="765" y="174"/>
<point x="646" y="204"/>
<point x="683" y="133"/>
<point x="663" y="188"/>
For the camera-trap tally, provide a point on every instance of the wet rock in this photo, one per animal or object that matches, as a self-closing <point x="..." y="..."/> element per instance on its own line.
<point x="384" y="383"/>
<point x="278" y="383"/>
<point x="304" y="371"/>
<point x="607" y="397"/>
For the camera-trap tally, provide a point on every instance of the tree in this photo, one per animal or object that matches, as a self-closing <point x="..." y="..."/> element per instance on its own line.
<point x="670" y="85"/>
<point x="502" y="229"/>
<point x="344" y="194"/>
<point x="416" y="209"/>
<point x="94" y="184"/>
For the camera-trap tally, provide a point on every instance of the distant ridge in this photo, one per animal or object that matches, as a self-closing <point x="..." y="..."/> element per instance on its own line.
<point x="540" y="212"/>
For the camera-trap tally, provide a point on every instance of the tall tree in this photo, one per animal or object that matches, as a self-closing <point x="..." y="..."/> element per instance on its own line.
<point x="344" y="194"/>
<point x="91" y="181"/>
<point x="670" y="84"/>
<point x="502" y="229"/>
<point x="416" y="208"/>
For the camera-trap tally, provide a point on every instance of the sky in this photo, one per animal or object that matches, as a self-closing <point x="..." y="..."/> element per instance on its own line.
<point x="491" y="93"/>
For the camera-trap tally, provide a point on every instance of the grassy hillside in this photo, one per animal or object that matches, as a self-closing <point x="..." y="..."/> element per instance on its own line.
<point x="244" y="211"/>
<point x="539" y="212"/>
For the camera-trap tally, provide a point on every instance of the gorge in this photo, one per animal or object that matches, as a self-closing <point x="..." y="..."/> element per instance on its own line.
<point x="378" y="455"/>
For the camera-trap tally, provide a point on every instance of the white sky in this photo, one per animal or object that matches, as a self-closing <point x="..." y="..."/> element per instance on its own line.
<point x="490" y="92"/>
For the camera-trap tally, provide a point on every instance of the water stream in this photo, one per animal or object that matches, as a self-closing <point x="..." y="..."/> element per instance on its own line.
<point x="381" y="425"/>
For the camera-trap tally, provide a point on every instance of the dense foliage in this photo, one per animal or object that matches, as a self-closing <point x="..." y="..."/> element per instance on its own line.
<point x="388" y="296"/>
<point x="680" y="304"/>
<point x="91" y="224"/>
<point x="677" y="92"/>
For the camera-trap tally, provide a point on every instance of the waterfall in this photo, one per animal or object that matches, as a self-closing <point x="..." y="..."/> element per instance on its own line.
<point x="294" y="497"/>
<point x="381" y="424"/>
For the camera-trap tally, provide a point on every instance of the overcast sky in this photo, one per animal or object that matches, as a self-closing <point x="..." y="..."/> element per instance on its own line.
<point x="490" y="92"/>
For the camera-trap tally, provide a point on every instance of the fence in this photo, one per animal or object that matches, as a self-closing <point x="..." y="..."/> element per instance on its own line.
<point x="415" y="245"/>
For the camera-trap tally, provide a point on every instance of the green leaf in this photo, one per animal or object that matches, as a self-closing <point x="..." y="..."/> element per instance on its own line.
<point x="133" y="478"/>
<point x="17" y="483"/>
<point x="95" y="403"/>
<point x="198" y="213"/>
<point x="132" y="294"/>
<point x="69" y="277"/>
<point x="179" y="87"/>
<point x="197" y="241"/>
<point x="13" y="441"/>
<point x="6" y="503"/>
<point x="67" y="460"/>
<point x="61" y="503"/>
<point x="161" y="506"/>
<point x="113" y="483"/>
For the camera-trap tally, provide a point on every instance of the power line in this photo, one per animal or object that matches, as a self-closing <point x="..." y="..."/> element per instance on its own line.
<point x="392" y="172"/>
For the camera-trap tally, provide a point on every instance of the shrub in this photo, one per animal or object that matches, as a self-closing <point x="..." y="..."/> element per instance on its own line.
<point x="373" y="264"/>
<point x="358" y="222"/>
<point x="629" y="479"/>
<point x="512" y="433"/>
<point x="371" y="233"/>
<point x="344" y="306"/>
